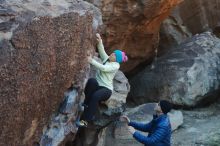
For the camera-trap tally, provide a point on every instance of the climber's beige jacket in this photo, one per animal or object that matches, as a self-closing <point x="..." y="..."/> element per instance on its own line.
<point x="107" y="71"/>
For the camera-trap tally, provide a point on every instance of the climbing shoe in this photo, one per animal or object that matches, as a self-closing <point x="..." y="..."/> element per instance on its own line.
<point x="82" y="123"/>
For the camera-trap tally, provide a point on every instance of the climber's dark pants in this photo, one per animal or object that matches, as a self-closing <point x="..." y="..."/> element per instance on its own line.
<point x="93" y="95"/>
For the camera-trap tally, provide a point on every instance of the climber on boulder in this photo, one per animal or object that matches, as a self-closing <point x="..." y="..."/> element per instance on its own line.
<point x="159" y="129"/>
<point x="100" y="88"/>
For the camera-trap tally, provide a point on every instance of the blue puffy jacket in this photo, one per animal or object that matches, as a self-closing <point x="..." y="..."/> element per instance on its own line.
<point x="159" y="130"/>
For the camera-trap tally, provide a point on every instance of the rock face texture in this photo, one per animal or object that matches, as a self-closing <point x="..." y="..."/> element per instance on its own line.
<point x="62" y="126"/>
<point x="172" y="33"/>
<point x="203" y="15"/>
<point x="187" y="75"/>
<point x="43" y="49"/>
<point x="133" y="26"/>
<point x="187" y="19"/>
<point x="201" y="125"/>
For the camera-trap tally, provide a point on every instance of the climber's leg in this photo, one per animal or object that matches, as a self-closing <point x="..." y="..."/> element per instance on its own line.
<point x="91" y="86"/>
<point x="101" y="94"/>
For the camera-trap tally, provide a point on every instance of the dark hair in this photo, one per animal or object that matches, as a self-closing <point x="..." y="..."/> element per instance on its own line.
<point x="166" y="106"/>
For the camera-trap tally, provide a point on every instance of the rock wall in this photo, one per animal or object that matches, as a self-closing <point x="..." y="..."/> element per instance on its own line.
<point x="133" y="26"/>
<point x="187" y="19"/>
<point x="172" y="33"/>
<point x="203" y="15"/>
<point x="187" y="75"/>
<point x="44" y="47"/>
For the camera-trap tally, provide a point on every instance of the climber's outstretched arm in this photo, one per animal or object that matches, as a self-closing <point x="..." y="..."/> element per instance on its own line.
<point x="101" y="48"/>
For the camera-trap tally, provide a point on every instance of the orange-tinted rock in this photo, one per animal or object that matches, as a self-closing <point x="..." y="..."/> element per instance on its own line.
<point x="133" y="26"/>
<point x="187" y="19"/>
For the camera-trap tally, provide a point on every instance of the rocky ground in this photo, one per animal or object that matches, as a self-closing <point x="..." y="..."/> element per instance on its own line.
<point x="200" y="127"/>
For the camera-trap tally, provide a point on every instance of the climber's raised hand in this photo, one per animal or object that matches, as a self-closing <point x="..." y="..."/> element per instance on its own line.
<point x="98" y="37"/>
<point x="89" y="58"/>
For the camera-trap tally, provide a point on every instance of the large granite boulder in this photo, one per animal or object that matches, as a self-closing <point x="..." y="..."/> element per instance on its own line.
<point x="186" y="75"/>
<point x="133" y="26"/>
<point x="43" y="48"/>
